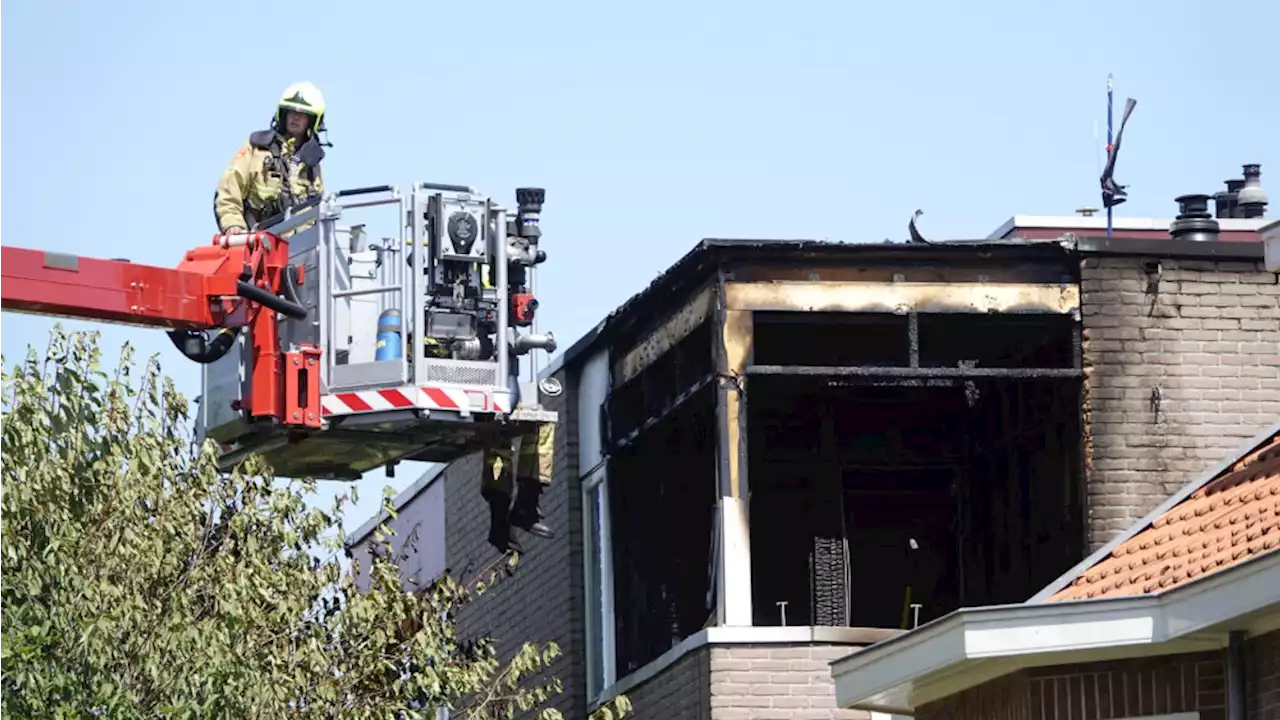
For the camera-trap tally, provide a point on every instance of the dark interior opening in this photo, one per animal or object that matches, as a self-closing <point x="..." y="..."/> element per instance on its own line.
<point x="967" y="491"/>
<point x="1009" y="341"/>
<point x="662" y="502"/>
<point x="830" y="339"/>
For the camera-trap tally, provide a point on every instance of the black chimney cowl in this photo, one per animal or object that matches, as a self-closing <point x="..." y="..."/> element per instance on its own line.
<point x="1225" y="201"/>
<point x="1194" y="221"/>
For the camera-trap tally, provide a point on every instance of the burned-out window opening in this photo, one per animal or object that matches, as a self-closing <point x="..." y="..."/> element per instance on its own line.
<point x="662" y="500"/>
<point x="662" y="515"/>
<point x="875" y="492"/>
<point x="661" y="387"/>
<point x="830" y="339"/>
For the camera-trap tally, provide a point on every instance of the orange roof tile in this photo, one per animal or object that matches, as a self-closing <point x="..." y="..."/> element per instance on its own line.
<point x="1232" y="518"/>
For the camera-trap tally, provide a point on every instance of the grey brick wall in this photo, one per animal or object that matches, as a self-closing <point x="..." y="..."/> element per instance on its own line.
<point x="543" y="600"/>
<point x="1176" y="379"/>
<point x="681" y="692"/>
<point x="782" y="682"/>
<point x="746" y="682"/>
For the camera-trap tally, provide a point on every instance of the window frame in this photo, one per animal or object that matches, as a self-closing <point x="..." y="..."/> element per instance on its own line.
<point x="601" y="624"/>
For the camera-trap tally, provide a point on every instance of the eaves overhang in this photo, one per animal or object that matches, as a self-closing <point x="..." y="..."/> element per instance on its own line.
<point x="972" y="646"/>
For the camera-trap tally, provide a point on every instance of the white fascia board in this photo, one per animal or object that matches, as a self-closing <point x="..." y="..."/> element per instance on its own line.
<point x="1079" y="626"/>
<point x="1238" y="592"/>
<point x="884" y="677"/>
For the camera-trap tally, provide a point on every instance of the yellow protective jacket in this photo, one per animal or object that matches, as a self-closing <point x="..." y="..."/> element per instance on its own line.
<point x="267" y="176"/>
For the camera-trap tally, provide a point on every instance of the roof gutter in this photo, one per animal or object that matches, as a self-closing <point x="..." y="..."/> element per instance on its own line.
<point x="971" y="646"/>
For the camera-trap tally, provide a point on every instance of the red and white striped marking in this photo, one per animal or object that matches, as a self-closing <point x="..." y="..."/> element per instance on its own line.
<point x="424" y="397"/>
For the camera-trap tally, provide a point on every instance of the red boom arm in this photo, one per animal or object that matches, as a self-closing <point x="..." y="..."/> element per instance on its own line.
<point x="234" y="282"/>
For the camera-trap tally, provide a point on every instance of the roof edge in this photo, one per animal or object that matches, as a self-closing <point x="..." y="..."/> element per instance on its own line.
<point x="995" y="634"/>
<point x="1099" y="222"/>
<point x="717" y="249"/>
<point x="1183" y="493"/>
<point x="398" y="502"/>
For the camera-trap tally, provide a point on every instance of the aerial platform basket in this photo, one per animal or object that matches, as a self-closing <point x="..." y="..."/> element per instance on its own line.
<point x="408" y="332"/>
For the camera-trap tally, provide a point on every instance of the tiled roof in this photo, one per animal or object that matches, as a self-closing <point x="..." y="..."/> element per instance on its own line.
<point x="1232" y="518"/>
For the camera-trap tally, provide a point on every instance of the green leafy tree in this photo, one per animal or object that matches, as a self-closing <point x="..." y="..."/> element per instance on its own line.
<point x="139" y="581"/>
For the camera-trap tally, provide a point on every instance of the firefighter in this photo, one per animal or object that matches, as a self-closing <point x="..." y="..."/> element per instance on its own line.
<point x="276" y="169"/>
<point x="531" y="477"/>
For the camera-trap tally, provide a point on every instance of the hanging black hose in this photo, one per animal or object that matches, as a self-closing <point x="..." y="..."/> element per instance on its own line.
<point x="288" y="307"/>
<point x="290" y="288"/>
<point x="194" y="345"/>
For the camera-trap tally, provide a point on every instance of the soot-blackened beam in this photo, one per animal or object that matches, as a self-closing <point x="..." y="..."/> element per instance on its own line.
<point x="915" y="372"/>
<point x="675" y="403"/>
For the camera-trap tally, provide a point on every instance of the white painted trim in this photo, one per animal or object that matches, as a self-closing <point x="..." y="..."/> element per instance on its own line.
<point x="592" y="390"/>
<point x="608" y="624"/>
<point x="963" y="648"/>
<point x="600" y="649"/>
<point x="734" y="573"/>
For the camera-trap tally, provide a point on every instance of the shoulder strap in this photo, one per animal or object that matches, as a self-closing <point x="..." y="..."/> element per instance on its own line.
<point x="265" y="140"/>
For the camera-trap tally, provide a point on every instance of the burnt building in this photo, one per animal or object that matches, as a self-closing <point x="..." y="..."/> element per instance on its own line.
<point x="783" y="451"/>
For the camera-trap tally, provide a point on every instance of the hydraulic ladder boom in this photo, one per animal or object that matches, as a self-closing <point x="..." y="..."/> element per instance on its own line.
<point x="237" y="281"/>
<point x="296" y="371"/>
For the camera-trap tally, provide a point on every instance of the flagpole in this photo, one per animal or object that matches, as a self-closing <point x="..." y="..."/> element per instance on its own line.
<point x="1109" y="148"/>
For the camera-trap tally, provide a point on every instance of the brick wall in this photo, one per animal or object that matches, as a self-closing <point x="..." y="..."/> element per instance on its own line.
<point x="745" y="682"/>
<point x="680" y="692"/>
<point x="1262" y="678"/>
<point x="1177" y="379"/>
<point x="1095" y="691"/>
<point x="782" y="682"/>
<point x="542" y="601"/>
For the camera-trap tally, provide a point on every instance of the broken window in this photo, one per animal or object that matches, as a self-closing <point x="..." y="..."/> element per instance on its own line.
<point x="902" y="466"/>
<point x="662" y="501"/>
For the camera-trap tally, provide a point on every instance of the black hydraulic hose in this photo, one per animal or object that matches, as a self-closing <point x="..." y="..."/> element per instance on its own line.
<point x="289" y="308"/>
<point x="365" y="190"/>
<point x="290" y="286"/>
<point x="445" y="187"/>
<point x="195" y="346"/>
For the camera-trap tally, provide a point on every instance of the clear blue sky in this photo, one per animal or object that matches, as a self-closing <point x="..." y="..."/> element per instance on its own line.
<point x="651" y="126"/>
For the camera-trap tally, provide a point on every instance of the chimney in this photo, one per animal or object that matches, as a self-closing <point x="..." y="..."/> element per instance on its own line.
<point x="1194" y="221"/>
<point x="1251" y="199"/>
<point x="1225" y="202"/>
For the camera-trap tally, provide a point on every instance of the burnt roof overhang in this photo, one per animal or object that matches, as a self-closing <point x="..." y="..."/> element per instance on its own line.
<point x="700" y="264"/>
